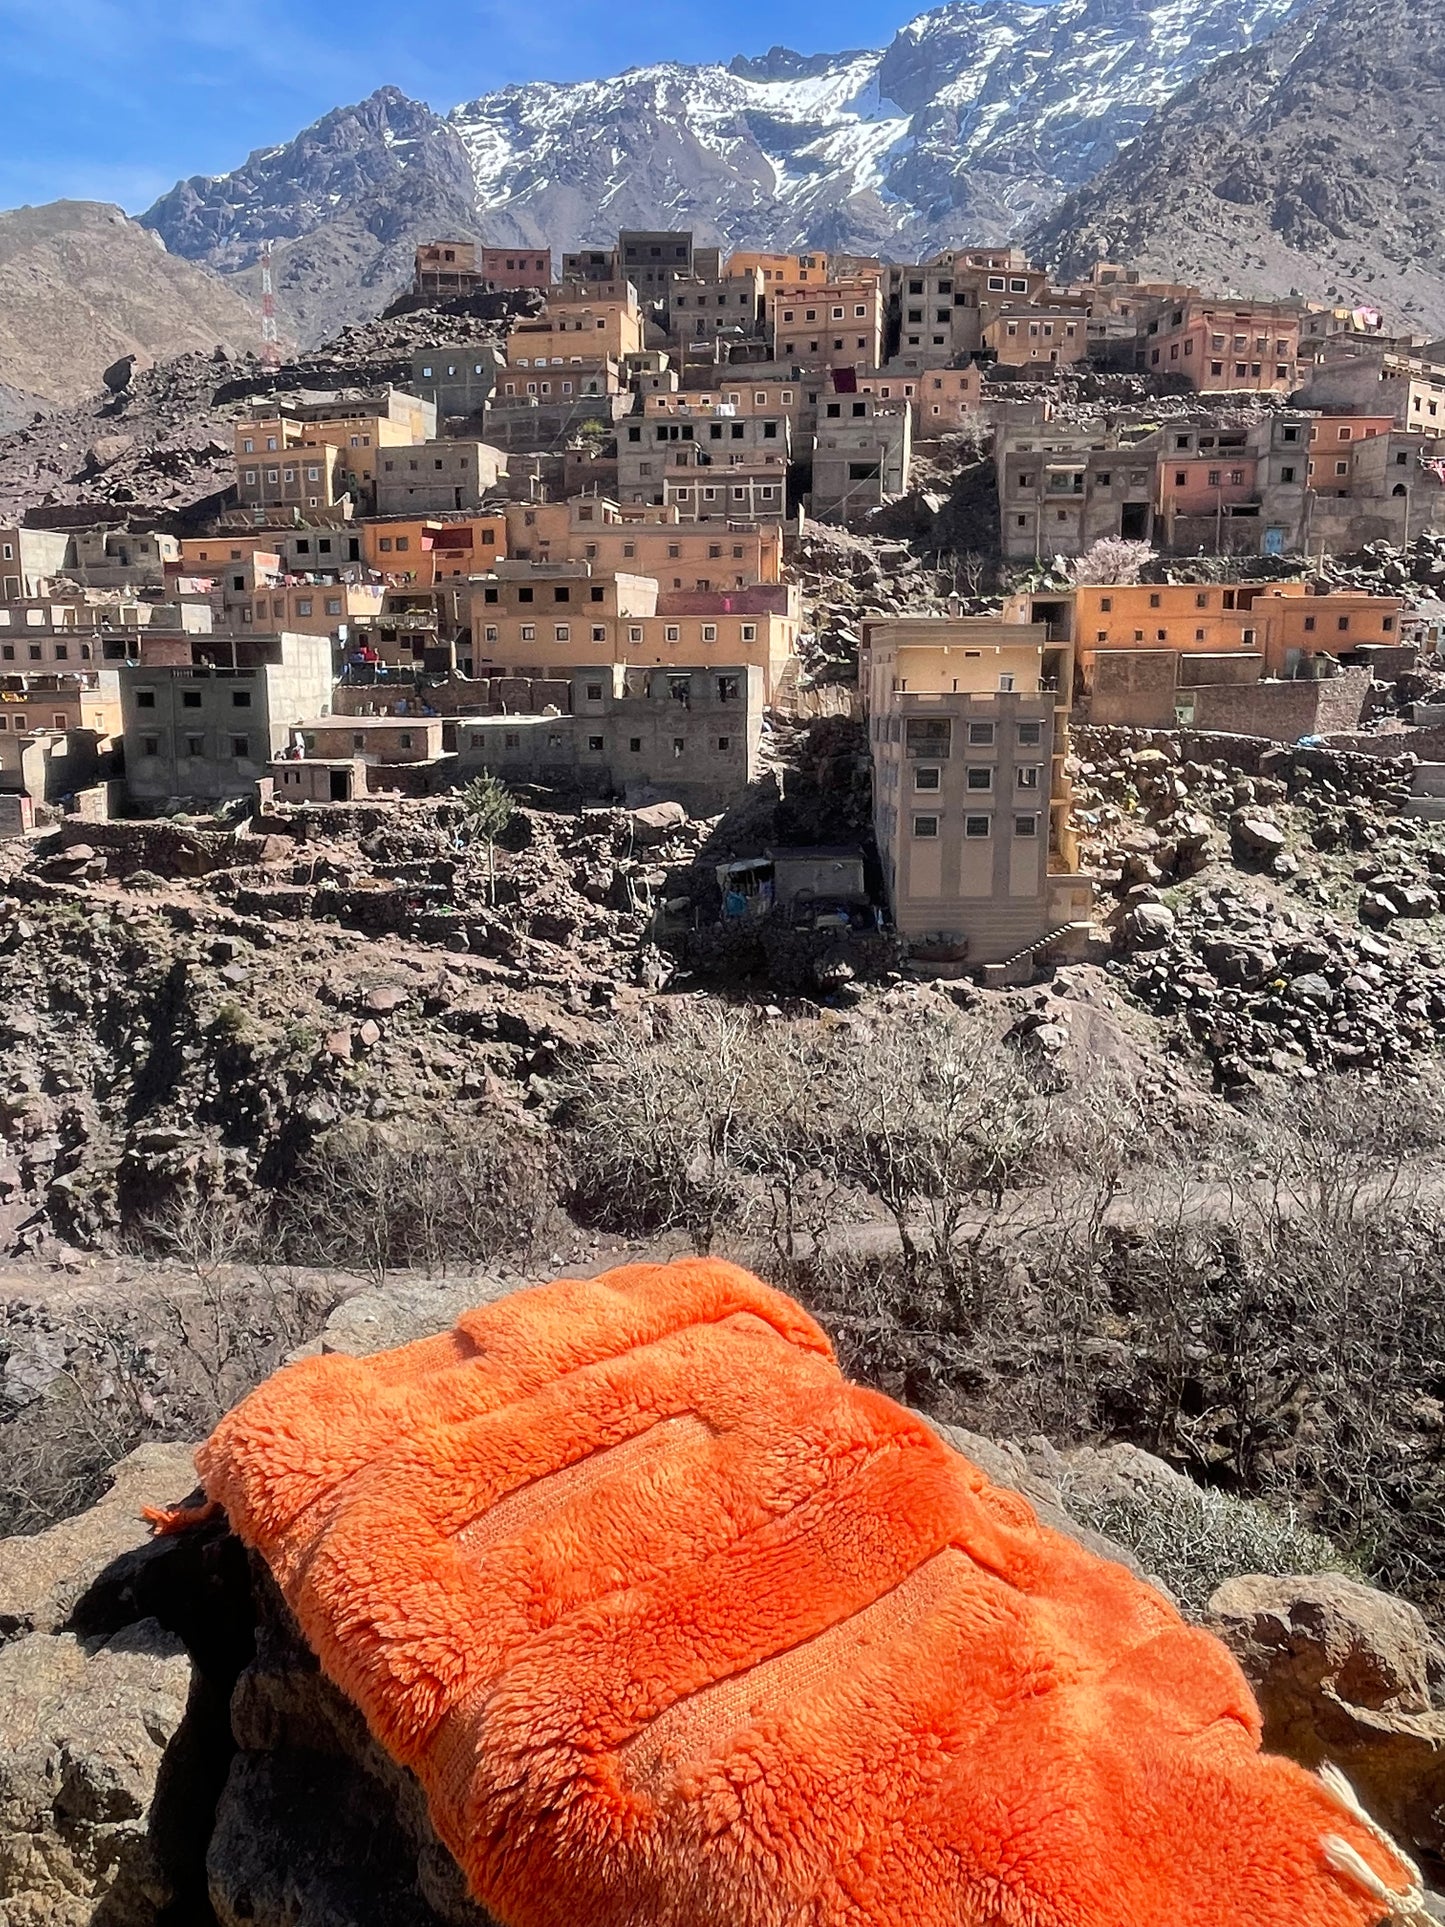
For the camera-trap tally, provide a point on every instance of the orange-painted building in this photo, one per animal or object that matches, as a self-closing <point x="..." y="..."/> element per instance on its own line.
<point x="427" y="550"/>
<point x="501" y="268"/>
<point x="1280" y="622"/>
<point x="1219" y="345"/>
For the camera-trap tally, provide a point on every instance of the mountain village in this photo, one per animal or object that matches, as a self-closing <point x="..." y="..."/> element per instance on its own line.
<point x="872" y="808"/>
<point x="570" y="555"/>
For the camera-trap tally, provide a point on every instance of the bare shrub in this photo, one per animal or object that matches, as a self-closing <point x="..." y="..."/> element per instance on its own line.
<point x="1192" y="1538"/>
<point x="1111" y="559"/>
<point x="377" y="1197"/>
<point x="180" y="1344"/>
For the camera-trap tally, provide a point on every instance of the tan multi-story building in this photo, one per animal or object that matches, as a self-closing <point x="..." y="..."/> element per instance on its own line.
<point x="592" y="331"/>
<point x="311" y="609"/>
<point x="861" y="455"/>
<point x="309" y="455"/>
<point x="643" y="539"/>
<point x="732" y="305"/>
<point x="714" y="465"/>
<point x="835" y="325"/>
<point x="1062" y="487"/>
<point x="431" y="478"/>
<point x="1218" y="345"/>
<point x="968" y="730"/>
<point x="1054" y="333"/>
<point x="536" y="618"/>
<point x="1377" y="375"/>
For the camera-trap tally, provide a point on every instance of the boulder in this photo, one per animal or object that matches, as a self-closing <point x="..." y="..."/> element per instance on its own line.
<point x="44" y="1578"/>
<point x="1148" y="926"/>
<point x="1240" y="966"/>
<point x="656" y="823"/>
<point x="1348" y="1674"/>
<point x="1254" y="835"/>
<point x="84" y="1728"/>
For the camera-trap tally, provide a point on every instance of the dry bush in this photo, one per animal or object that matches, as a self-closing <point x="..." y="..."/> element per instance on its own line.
<point x="1191" y="1538"/>
<point x="376" y="1198"/>
<point x="179" y="1347"/>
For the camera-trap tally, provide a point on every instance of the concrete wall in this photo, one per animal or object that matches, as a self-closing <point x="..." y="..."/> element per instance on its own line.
<point x="183" y="741"/>
<point x="644" y="742"/>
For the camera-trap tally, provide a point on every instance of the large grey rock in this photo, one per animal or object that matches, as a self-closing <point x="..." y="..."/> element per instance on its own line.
<point x="84" y="1727"/>
<point x="1256" y="836"/>
<point x="1037" y="1473"/>
<point x="1148" y="926"/>
<point x="1352" y="1675"/>
<point x="400" y="1310"/>
<point x="42" y="1578"/>
<point x="318" y="1824"/>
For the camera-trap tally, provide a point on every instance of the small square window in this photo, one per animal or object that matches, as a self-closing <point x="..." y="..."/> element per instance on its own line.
<point x="975" y="827"/>
<point x="925" y="827"/>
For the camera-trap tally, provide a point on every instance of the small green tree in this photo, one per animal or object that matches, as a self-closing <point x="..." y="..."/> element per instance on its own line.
<point x="487" y="808"/>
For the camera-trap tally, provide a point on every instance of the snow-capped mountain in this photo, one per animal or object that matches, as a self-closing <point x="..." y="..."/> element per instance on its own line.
<point x="972" y="123"/>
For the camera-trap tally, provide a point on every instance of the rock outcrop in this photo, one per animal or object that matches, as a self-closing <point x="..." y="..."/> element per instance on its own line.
<point x="1352" y="1675"/>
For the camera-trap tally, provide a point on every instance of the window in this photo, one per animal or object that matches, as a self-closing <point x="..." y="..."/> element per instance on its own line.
<point x="594" y="743"/>
<point x="679" y="746"/>
<point x="1286" y="474"/>
<point x="145" y="699"/>
<point x="149" y="745"/>
<point x="240" y="699"/>
<point x="975" y="827"/>
<point x="1106" y="604"/>
<point x="980" y="735"/>
<point x="529" y="632"/>
<point x="1026" y="825"/>
<point x="634" y="743"/>
<point x="925" y="827"/>
<point x="1027" y="778"/>
<point x="195" y="746"/>
<point x="562" y="631"/>
<point x="927" y="779"/>
<point x="241" y="748"/>
<point x="190" y="699"/>
<point x="1030" y="733"/>
<point x="980" y="778"/>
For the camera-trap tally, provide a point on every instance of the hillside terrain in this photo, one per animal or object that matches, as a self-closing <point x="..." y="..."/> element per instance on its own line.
<point x="1314" y="160"/>
<point x="81" y="285"/>
<point x="973" y="120"/>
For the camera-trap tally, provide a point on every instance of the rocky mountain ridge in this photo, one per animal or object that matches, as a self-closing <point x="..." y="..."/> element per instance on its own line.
<point x="973" y="120"/>
<point x="1312" y="160"/>
<point x="82" y="285"/>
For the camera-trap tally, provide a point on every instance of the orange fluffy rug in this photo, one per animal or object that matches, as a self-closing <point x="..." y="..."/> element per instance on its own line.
<point x="680" y="1629"/>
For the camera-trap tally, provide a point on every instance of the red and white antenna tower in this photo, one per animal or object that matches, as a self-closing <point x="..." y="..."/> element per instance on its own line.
<point x="270" y="336"/>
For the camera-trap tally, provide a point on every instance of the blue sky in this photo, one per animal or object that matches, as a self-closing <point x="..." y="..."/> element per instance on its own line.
<point x="117" y="99"/>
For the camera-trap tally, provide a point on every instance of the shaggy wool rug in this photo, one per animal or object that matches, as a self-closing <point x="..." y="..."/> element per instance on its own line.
<point x="678" y="1628"/>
